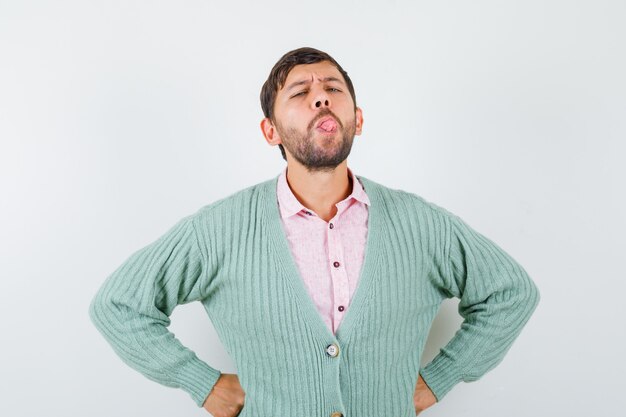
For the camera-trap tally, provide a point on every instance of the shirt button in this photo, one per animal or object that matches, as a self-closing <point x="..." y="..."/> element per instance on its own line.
<point x="332" y="350"/>
<point x="336" y="264"/>
<point x="336" y="415"/>
<point x="331" y="226"/>
<point x="341" y="308"/>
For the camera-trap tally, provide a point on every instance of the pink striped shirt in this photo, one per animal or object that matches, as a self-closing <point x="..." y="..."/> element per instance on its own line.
<point x="329" y="255"/>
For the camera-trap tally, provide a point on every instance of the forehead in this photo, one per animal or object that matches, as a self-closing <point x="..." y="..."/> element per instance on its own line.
<point x="307" y="72"/>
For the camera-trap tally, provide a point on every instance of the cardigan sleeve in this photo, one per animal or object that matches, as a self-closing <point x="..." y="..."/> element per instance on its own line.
<point x="497" y="298"/>
<point x="133" y="305"/>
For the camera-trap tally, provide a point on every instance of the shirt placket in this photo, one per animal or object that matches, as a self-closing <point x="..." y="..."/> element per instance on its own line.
<point x="338" y="273"/>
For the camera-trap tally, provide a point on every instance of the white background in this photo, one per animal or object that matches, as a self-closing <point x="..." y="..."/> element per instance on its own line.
<point x="118" y="118"/>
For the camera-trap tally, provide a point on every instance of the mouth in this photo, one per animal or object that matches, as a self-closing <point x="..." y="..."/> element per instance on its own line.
<point x="326" y="125"/>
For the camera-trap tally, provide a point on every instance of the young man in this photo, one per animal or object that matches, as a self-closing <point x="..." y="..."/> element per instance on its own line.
<point x="321" y="284"/>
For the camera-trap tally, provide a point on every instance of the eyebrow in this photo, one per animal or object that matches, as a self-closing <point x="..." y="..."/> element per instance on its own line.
<point x="325" y="80"/>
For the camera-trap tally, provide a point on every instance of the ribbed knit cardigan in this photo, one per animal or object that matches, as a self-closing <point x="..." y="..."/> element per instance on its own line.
<point x="233" y="256"/>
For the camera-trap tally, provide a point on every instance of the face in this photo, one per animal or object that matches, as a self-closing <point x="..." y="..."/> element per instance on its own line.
<point x="315" y="118"/>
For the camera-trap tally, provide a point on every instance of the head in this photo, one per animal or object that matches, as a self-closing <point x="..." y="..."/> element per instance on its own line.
<point x="310" y="109"/>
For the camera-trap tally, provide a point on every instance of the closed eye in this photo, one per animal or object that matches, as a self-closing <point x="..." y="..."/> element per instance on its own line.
<point x="331" y="89"/>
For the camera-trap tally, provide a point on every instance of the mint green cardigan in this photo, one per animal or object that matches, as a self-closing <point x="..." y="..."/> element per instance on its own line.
<point x="233" y="257"/>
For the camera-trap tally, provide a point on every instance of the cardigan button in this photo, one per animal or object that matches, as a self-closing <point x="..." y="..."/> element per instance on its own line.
<point x="332" y="350"/>
<point x="336" y="415"/>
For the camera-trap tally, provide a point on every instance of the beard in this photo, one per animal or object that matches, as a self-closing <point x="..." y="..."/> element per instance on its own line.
<point x="314" y="150"/>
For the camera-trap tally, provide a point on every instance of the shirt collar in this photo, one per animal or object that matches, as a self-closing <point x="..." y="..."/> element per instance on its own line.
<point x="289" y="204"/>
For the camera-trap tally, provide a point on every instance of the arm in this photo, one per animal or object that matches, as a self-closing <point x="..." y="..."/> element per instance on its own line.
<point x="133" y="306"/>
<point x="497" y="297"/>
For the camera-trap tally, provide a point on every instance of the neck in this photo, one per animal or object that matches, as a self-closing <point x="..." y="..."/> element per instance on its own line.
<point x="320" y="190"/>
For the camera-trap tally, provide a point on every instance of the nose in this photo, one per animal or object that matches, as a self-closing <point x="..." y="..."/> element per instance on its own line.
<point x="318" y="103"/>
<point x="320" y="97"/>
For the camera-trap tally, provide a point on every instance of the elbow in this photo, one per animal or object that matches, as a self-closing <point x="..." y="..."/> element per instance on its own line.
<point x="97" y="312"/>
<point x="526" y="299"/>
<point x="94" y="310"/>
<point x="533" y="293"/>
<point x="530" y="298"/>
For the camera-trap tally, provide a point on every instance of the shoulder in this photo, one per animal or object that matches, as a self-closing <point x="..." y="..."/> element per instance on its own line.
<point x="239" y="203"/>
<point x="397" y="198"/>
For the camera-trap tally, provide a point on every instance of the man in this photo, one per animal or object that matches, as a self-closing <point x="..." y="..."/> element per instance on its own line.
<point x="321" y="284"/>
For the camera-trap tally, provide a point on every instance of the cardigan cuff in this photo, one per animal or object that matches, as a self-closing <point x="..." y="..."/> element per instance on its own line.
<point x="441" y="376"/>
<point x="197" y="378"/>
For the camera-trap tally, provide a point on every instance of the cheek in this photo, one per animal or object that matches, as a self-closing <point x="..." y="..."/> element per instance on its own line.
<point x="348" y="118"/>
<point x="296" y="118"/>
<point x="344" y="108"/>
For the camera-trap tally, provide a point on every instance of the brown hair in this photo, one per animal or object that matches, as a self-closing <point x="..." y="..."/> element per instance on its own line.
<point x="278" y="75"/>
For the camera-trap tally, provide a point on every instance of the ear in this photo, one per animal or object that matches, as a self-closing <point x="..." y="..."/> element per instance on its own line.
<point x="269" y="132"/>
<point x="358" y="121"/>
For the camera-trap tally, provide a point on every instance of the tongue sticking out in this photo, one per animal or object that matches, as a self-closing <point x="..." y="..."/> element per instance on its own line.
<point x="328" y="126"/>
